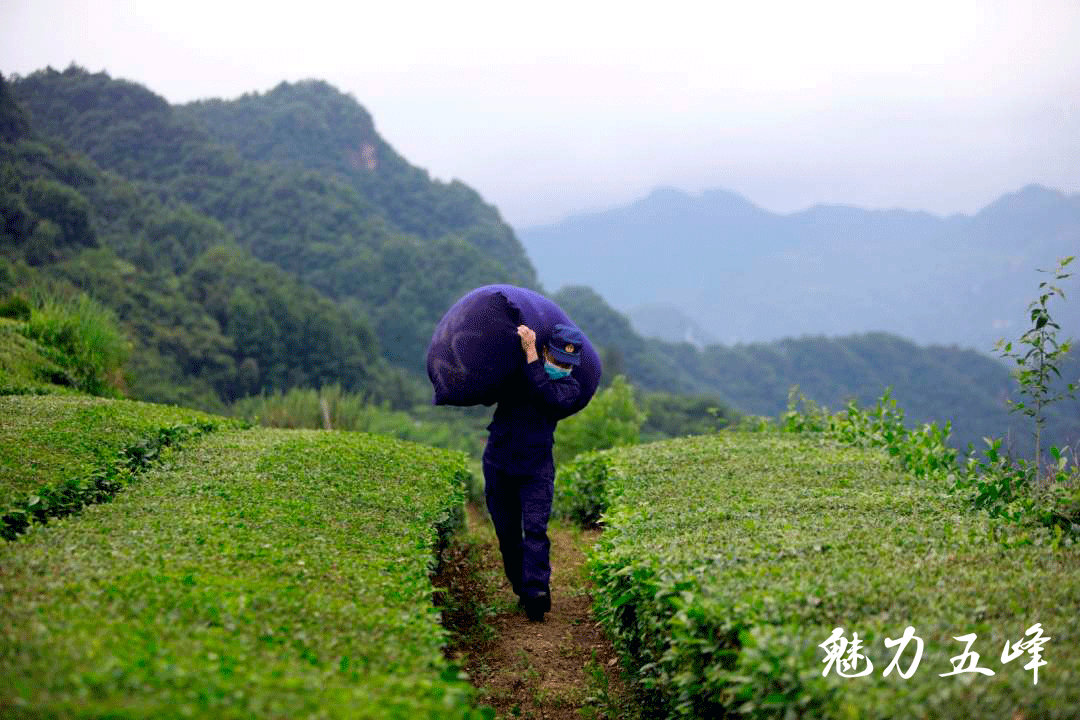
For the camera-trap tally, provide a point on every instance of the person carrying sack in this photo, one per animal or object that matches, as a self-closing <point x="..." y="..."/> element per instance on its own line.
<point x="519" y="471"/>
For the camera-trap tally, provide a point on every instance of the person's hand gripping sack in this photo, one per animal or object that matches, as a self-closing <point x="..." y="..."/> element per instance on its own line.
<point x="528" y="342"/>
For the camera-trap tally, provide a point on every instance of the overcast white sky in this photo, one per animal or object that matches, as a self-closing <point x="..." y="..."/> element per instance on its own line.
<point x="550" y="108"/>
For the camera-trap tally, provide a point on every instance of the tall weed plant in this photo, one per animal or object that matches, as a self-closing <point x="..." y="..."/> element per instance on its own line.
<point x="1044" y="489"/>
<point x="83" y="336"/>
<point x="1038" y="366"/>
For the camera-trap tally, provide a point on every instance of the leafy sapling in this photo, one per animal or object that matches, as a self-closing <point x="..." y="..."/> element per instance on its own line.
<point x="1039" y="365"/>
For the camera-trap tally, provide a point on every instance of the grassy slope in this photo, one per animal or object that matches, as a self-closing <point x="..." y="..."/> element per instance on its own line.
<point x="25" y="366"/>
<point x="764" y="543"/>
<point x="255" y="573"/>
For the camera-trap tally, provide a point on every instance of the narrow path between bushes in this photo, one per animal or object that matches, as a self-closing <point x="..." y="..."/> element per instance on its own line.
<point x="562" y="668"/>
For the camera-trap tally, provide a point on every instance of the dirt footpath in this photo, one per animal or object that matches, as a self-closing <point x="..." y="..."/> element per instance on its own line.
<point x="562" y="668"/>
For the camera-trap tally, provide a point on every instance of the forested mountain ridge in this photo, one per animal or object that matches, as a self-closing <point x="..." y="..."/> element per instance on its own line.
<point x="208" y="322"/>
<point x="312" y="189"/>
<point x="240" y="264"/>
<point x="314" y="126"/>
<point x="745" y="274"/>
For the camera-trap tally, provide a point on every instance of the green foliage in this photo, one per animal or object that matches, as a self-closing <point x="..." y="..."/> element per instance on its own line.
<point x="669" y="416"/>
<point x="803" y="414"/>
<point x="304" y="408"/>
<point x="1002" y="485"/>
<point x="1040" y="364"/>
<point x="611" y="419"/>
<point x="208" y="324"/>
<point x="314" y="126"/>
<point x="66" y="209"/>
<point x="997" y="483"/>
<point x="299" y="178"/>
<point x="924" y="452"/>
<point x="178" y="350"/>
<point x="101" y="484"/>
<point x="13" y="122"/>
<point x="56" y="207"/>
<point x="728" y="559"/>
<point x="1023" y="492"/>
<point x="84" y="337"/>
<point x="44" y="213"/>
<point x="60" y="453"/>
<point x="581" y="488"/>
<point x="282" y="334"/>
<point x="25" y="366"/>
<point x="260" y="573"/>
<point x="1060" y="493"/>
<point x="16" y="307"/>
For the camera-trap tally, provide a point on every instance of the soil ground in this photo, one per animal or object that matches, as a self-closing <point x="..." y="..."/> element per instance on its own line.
<point x="560" y="669"/>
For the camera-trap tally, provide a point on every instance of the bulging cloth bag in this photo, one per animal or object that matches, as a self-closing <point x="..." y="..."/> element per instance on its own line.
<point x="475" y="347"/>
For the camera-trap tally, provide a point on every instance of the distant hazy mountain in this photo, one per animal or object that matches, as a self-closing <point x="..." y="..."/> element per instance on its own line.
<point x="745" y="274"/>
<point x="931" y="383"/>
<point x="668" y="322"/>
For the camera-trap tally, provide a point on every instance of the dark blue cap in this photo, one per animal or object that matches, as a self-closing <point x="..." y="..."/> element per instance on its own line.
<point x="565" y="344"/>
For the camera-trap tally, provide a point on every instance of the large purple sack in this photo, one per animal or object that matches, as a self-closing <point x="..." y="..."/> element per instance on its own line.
<point x="476" y="348"/>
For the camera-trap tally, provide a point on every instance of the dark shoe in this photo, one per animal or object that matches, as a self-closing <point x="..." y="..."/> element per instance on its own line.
<point x="535" y="607"/>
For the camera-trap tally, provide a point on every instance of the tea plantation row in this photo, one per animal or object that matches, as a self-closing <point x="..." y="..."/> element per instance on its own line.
<point x="727" y="562"/>
<point x="60" y="452"/>
<point x="254" y="573"/>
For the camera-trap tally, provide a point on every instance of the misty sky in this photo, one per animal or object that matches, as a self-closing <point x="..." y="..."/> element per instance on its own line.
<point x="551" y="108"/>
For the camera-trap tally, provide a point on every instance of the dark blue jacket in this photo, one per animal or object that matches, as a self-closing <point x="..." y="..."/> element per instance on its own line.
<point x="522" y="431"/>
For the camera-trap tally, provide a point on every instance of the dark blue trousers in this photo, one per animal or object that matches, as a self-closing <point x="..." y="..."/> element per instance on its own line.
<point x="520" y="506"/>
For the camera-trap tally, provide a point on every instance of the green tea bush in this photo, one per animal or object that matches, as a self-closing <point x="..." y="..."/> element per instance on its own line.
<point x="1002" y="485"/>
<point x="581" y="487"/>
<point x="61" y="452"/>
<point x="1022" y="491"/>
<point x="727" y="561"/>
<point x="264" y="573"/>
<point x="923" y="451"/>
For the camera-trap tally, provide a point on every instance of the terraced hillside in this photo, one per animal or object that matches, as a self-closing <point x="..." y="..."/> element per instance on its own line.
<point x="249" y="573"/>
